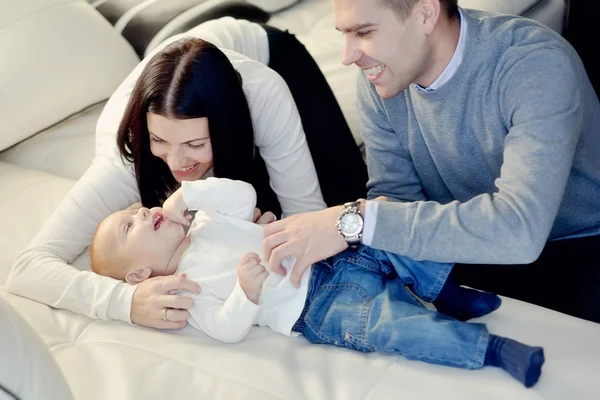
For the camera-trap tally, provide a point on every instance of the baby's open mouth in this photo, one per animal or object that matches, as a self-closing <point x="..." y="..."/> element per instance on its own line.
<point x="158" y="219"/>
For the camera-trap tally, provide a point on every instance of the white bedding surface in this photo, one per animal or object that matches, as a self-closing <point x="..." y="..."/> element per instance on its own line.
<point x="112" y="360"/>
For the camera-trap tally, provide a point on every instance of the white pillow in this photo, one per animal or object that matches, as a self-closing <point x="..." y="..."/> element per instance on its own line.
<point x="27" y="369"/>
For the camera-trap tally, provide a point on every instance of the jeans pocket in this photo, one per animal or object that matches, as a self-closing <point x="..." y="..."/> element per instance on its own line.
<point x="335" y="310"/>
<point x="357" y="343"/>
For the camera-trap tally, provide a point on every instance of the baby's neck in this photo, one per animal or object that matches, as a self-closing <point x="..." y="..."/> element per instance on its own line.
<point x="176" y="257"/>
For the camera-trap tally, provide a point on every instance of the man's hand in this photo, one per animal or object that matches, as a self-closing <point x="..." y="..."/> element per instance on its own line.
<point x="174" y="208"/>
<point x="251" y="275"/>
<point x="309" y="237"/>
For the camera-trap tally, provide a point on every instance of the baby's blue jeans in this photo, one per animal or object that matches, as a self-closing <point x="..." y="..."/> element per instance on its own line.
<point x="358" y="300"/>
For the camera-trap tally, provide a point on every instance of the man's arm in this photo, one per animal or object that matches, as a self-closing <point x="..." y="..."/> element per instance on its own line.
<point x="508" y="226"/>
<point x="512" y="224"/>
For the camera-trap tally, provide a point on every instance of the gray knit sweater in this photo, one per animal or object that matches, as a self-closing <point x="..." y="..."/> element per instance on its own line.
<point x="499" y="159"/>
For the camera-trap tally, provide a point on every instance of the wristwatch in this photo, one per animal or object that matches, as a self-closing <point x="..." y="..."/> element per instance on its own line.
<point x="350" y="223"/>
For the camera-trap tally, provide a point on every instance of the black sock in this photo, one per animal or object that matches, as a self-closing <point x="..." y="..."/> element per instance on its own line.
<point x="523" y="362"/>
<point x="463" y="304"/>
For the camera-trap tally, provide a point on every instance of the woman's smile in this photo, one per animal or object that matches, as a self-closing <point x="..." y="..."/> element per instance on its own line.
<point x="186" y="171"/>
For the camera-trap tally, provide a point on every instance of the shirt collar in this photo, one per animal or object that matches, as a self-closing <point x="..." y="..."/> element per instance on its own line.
<point x="454" y="61"/>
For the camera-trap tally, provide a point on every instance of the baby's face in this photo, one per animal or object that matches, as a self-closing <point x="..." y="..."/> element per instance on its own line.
<point x="140" y="237"/>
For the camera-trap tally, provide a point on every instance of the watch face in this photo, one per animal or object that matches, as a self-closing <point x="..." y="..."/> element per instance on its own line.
<point x="351" y="224"/>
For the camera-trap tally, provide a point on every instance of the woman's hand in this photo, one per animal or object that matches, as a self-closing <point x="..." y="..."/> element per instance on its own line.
<point x="174" y="208"/>
<point x="263" y="219"/>
<point x="152" y="297"/>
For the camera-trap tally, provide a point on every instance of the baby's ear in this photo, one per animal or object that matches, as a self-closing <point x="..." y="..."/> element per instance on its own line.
<point x="138" y="275"/>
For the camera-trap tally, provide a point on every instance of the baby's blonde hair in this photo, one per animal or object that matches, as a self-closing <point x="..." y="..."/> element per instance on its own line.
<point x="105" y="263"/>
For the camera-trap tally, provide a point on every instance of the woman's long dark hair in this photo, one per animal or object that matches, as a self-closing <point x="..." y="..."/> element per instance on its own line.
<point x="190" y="78"/>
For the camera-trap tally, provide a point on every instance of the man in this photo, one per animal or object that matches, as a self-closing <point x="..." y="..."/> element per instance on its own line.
<point x="483" y="132"/>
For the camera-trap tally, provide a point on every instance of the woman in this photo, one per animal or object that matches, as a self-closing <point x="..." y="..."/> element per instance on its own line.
<point x="195" y="110"/>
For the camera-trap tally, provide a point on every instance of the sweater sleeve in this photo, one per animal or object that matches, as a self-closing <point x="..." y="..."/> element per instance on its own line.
<point x="280" y="139"/>
<point x="222" y="195"/>
<point x="511" y="225"/>
<point x="228" y="321"/>
<point x="42" y="272"/>
<point x="391" y="170"/>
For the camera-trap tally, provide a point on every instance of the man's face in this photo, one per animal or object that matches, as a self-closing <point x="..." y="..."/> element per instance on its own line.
<point x="141" y="238"/>
<point x="391" y="53"/>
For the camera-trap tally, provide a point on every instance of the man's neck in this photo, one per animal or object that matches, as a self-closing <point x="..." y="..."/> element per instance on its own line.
<point x="445" y="40"/>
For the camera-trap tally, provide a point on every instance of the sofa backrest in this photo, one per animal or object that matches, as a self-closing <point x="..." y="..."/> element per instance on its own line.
<point x="58" y="57"/>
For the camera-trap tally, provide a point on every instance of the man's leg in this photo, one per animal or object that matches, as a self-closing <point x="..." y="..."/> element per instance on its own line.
<point x="565" y="278"/>
<point x="431" y="282"/>
<point x="340" y="168"/>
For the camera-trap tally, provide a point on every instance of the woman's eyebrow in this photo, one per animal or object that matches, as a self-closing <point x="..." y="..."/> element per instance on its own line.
<point x="189" y="141"/>
<point x="195" y="140"/>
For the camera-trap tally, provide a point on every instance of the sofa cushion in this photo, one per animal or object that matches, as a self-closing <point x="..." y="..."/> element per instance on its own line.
<point x="27" y="369"/>
<point x="58" y="57"/>
<point x="27" y="199"/>
<point x="140" y="22"/>
<point x="65" y="149"/>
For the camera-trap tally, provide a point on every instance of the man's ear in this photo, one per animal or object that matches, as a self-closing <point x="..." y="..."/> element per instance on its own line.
<point x="138" y="275"/>
<point x="431" y="13"/>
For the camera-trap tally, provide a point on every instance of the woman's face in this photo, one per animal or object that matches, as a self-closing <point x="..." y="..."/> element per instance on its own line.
<point x="184" y="144"/>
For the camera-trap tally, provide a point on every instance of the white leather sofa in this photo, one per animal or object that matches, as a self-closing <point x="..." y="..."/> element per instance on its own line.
<point x="60" y="61"/>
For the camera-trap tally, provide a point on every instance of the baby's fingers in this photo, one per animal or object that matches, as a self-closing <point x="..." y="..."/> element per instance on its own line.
<point x="177" y="217"/>
<point x="249" y="256"/>
<point x="262" y="277"/>
<point x="249" y="266"/>
<point x="257" y="269"/>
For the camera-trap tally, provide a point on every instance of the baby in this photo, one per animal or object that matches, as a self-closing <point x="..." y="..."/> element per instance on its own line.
<point x="357" y="299"/>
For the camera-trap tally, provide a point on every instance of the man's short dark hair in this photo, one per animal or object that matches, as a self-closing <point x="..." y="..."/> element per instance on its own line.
<point x="404" y="7"/>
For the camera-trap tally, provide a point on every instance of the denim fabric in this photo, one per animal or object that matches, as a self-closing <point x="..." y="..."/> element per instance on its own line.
<point x="357" y="300"/>
<point x="425" y="278"/>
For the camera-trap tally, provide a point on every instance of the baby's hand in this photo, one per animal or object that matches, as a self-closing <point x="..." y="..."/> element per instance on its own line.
<point x="252" y="274"/>
<point x="174" y="208"/>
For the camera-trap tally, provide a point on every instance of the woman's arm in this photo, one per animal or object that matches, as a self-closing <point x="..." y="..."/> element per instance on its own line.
<point x="279" y="135"/>
<point x="42" y="272"/>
